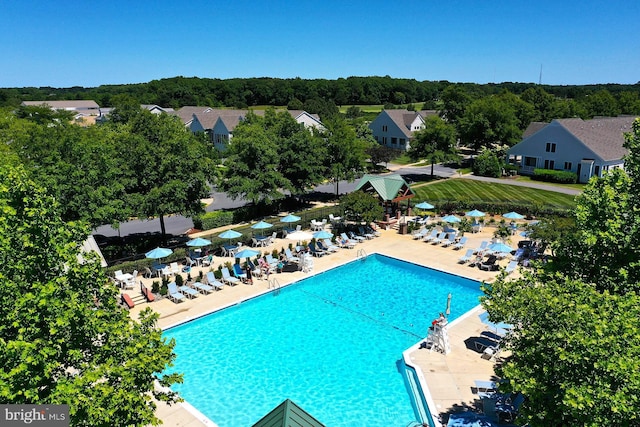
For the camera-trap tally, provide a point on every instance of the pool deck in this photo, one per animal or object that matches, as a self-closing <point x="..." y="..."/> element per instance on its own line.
<point x="449" y="379"/>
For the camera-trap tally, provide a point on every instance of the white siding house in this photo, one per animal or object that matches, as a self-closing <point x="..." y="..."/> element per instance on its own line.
<point x="585" y="147"/>
<point x="395" y="128"/>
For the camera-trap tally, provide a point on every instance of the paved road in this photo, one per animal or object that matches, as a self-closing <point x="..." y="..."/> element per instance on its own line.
<point x="177" y="224"/>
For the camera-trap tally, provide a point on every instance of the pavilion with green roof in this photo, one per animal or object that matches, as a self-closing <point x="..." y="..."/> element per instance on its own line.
<point x="288" y="414"/>
<point x="390" y="189"/>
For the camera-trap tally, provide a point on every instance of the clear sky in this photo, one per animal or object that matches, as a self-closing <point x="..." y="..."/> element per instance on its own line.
<point x="64" y="43"/>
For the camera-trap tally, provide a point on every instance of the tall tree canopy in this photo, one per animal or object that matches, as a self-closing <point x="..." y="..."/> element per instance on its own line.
<point x="576" y="334"/>
<point x="435" y="143"/>
<point x="63" y="337"/>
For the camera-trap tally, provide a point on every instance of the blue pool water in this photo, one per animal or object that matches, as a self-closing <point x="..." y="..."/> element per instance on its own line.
<point x="331" y="343"/>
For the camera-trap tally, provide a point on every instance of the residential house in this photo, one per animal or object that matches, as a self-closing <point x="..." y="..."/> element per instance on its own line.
<point x="396" y="128"/>
<point x="84" y="111"/>
<point x="156" y="109"/>
<point x="186" y="113"/>
<point x="220" y="123"/>
<point x="585" y="147"/>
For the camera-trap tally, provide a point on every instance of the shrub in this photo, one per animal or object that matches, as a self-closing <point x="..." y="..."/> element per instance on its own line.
<point x="548" y="175"/>
<point x="179" y="280"/>
<point x="164" y="289"/>
<point x="215" y="219"/>
<point x="155" y="287"/>
<point x="487" y="164"/>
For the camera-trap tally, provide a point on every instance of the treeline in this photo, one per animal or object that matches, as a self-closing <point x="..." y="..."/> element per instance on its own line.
<point x="295" y="93"/>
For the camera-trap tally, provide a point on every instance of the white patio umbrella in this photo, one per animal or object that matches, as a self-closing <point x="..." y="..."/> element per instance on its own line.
<point x="299" y="236"/>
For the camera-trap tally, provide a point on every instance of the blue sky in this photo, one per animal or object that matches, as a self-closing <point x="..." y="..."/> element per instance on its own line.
<point x="64" y="43"/>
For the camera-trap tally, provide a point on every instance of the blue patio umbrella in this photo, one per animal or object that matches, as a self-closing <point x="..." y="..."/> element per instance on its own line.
<point x="451" y="218"/>
<point x="500" y="247"/>
<point x="424" y="205"/>
<point x="290" y="218"/>
<point x="229" y="234"/>
<point x="198" y="242"/>
<point x="261" y="225"/>
<point x="246" y="253"/>
<point x="322" y="234"/>
<point x="158" y="253"/>
<point x="475" y="213"/>
<point x="513" y="215"/>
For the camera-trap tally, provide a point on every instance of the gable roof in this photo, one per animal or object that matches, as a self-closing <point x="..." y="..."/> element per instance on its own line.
<point x="603" y="136"/>
<point x="186" y="113"/>
<point x="288" y="414"/>
<point x="65" y="105"/>
<point x="403" y="118"/>
<point x="533" y="128"/>
<point x="390" y="188"/>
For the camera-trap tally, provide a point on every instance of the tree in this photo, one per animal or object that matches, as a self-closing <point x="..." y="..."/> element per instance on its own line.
<point x="346" y="152"/>
<point x="455" y="101"/>
<point x="576" y="334"/>
<point x="435" y="143"/>
<point x="166" y="168"/>
<point x="488" y="122"/>
<point x="253" y="164"/>
<point x="361" y="207"/>
<point x="63" y="338"/>
<point x="487" y="164"/>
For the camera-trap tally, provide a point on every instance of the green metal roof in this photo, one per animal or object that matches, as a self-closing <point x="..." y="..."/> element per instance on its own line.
<point x="388" y="187"/>
<point x="288" y="414"/>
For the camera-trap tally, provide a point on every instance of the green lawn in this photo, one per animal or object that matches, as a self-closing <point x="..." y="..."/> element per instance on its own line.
<point x="574" y="186"/>
<point x="467" y="190"/>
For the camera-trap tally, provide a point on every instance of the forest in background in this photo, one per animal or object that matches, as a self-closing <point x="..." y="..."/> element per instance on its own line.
<point x="310" y="94"/>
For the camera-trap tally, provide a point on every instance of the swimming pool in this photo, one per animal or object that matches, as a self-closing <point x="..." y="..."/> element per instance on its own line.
<point x="332" y="343"/>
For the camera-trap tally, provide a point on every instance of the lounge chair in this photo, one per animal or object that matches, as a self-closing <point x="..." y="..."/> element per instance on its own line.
<point x="370" y="230"/>
<point x="266" y="267"/>
<point x="188" y="291"/>
<point x="507" y="409"/>
<point x="461" y="243"/>
<point x="321" y="246"/>
<point x="345" y="242"/>
<point x="148" y="295"/>
<point x="173" y="293"/>
<point x="273" y="263"/>
<point x="354" y="236"/>
<point x="511" y="266"/>
<point x="480" y="249"/>
<point x="450" y="241"/>
<point x="420" y="234"/>
<point x="255" y="270"/>
<point x="330" y="246"/>
<point x="228" y="278"/>
<point x="213" y="282"/>
<point x="126" y="300"/>
<point x="364" y="233"/>
<point x="485" y="389"/>
<point x="430" y="237"/>
<point x="202" y="288"/>
<point x="255" y="243"/>
<point x="439" y="239"/>
<point x="466" y="257"/>
<point x="239" y="272"/>
<point x="290" y="256"/>
<point x="489" y="264"/>
<point x="316" y="251"/>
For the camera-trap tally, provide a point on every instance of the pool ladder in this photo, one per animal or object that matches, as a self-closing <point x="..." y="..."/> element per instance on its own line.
<point x="361" y="254"/>
<point x="275" y="284"/>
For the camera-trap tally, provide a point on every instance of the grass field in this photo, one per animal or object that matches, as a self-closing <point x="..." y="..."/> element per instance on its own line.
<point x="470" y="191"/>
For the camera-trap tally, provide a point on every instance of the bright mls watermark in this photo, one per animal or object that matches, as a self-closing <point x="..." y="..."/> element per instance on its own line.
<point x="34" y="415"/>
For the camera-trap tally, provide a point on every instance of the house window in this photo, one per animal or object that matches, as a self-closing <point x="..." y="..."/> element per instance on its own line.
<point x="567" y="166"/>
<point x="384" y="140"/>
<point x="385" y="128"/>
<point x="549" y="164"/>
<point x="596" y="171"/>
<point x="530" y="162"/>
<point x="403" y="141"/>
<point x="394" y="141"/>
<point x="551" y="147"/>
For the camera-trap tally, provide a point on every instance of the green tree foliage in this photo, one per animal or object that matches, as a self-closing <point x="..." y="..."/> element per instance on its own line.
<point x="435" y="143"/>
<point x="487" y="164"/>
<point x="63" y="337"/>
<point x="361" y="207"/>
<point x="489" y="122"/>
<point x="165" y="168"/>
<point x="347" y="154"/>
<point x="381" y="154"/>
<point x="576" y="335"/>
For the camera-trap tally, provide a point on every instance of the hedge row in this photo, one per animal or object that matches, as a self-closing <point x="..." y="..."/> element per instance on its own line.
<point x="213" y="219"/>
<point x="548" y="175"/>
